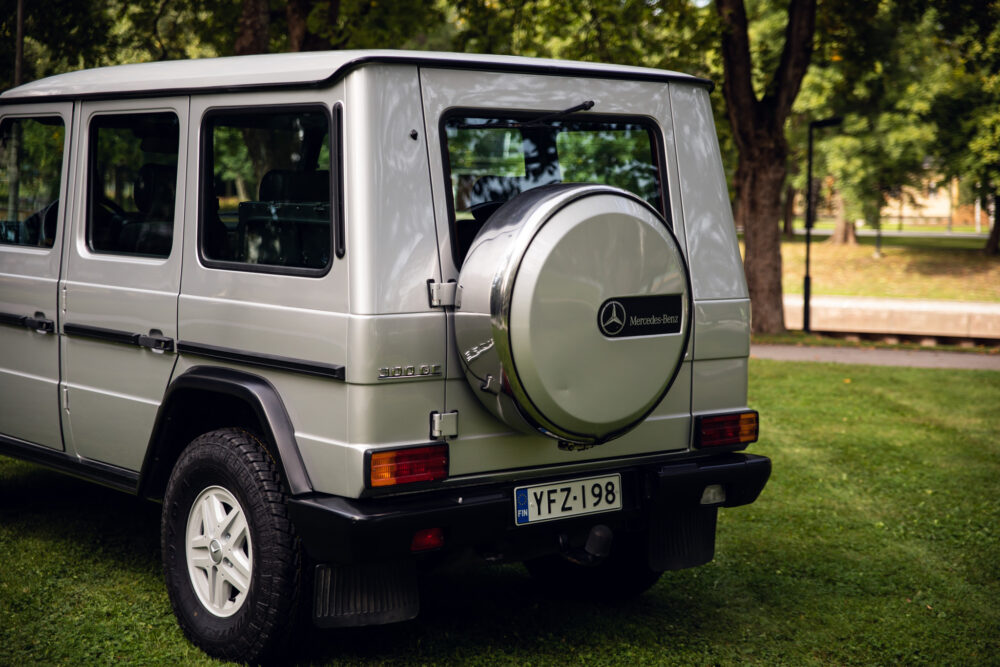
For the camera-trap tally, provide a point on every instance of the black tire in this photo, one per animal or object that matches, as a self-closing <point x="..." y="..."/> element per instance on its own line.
<point x="624" y="574"/>
<point x="258" y="617"/>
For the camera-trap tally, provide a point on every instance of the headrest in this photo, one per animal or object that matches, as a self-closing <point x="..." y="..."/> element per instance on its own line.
<point x="496" y="188"/>
<point x="295" y="186"/>
<point x="154" y="190"/>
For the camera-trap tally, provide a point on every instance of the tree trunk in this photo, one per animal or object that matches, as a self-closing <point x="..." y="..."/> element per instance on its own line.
<point x="759" y="133"/>
<point x="790" y="211"/>
<point x="253" y="28"/>
<point x="993" y="242"/>
<point x="762" y="176"/>
<point x="843" y="231"/>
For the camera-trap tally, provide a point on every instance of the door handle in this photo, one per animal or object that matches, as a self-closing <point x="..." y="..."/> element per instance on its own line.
<point x="37" y="323"/>
<point x="40" y="323"/>
<point x="155" y="341"/>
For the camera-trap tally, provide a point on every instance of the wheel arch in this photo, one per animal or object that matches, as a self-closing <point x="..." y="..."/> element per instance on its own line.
<point x="205" y="398"/>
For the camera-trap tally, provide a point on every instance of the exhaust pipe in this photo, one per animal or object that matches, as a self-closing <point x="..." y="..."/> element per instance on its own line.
<point x="595" y="549"/>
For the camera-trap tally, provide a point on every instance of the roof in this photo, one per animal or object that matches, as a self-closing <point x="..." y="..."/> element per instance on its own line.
<point x="309" y="69"/>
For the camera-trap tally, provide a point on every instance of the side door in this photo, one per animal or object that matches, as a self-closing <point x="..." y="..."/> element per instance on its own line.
<point x="122" y="274"/>
<point x="33" y="167"/>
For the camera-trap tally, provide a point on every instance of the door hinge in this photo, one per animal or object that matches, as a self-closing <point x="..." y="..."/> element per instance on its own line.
<point x="441" y="295"/>
<point x="444" y="425"/>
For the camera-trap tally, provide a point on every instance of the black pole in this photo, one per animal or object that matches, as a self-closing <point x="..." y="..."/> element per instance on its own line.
<point x="807" y="283"/>
<point x="19" y="45"/>
<point x="811" y="218"/>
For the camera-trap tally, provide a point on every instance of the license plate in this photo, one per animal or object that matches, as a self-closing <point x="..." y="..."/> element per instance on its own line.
<point x="545" y="502"/>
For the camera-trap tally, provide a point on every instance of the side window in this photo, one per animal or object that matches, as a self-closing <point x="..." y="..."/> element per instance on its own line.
<point x="133" y="184"/>
<point x="31" y="156"/>
<point x="266" y="191"/>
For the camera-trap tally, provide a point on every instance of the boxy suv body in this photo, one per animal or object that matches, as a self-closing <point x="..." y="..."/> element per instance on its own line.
<point x="349" y="313"/>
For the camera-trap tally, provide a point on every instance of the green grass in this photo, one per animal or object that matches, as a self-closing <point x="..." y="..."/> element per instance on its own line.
<point x="877" y="541"/>
<point x="918" y="268"/>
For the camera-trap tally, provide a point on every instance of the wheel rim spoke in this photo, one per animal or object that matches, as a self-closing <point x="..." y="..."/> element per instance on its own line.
<point x="199" y="541"/>
<point x="237" y="579"/>
<point x="200" y="561"/>
<point x="235" y="526"/>
<point x="218" y="593"/>
<point x="241" y="561"/>
<point x="217" y="512"/>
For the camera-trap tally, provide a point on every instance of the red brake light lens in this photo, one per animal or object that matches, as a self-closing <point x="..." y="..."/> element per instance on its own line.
<point x="404" y="466"/>
<point x="426" y="539"/>
<point x="738" y="428"/>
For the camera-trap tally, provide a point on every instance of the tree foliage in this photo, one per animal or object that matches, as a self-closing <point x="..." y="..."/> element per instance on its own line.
<point x="916" y="80"/>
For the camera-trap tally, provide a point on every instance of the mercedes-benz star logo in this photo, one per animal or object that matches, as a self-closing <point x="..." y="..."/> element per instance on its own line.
<point x="612" y="318"/>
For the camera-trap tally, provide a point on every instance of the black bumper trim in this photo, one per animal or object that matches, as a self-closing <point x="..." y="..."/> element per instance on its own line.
<point x="346" y="530"/>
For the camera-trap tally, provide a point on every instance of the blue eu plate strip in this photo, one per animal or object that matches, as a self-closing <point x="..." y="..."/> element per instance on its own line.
<point x="521" y="506"/>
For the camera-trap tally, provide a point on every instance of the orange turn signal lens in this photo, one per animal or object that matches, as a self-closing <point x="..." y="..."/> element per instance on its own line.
<point x="738" y="428"/>
<point x="413" y="464"/>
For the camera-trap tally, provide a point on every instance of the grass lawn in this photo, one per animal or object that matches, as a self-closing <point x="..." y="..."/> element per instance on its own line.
<point x="892" y="225"/>
<point x="877" y="541"/>
<point x="946" y="268"/>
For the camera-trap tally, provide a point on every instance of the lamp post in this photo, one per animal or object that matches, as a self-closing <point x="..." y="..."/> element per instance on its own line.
<point x="810" y="216"/>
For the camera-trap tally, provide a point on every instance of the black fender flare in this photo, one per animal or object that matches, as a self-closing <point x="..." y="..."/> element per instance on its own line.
<point x="253" y="391"/>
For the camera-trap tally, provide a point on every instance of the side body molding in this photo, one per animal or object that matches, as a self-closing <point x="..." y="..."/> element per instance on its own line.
<point x="249" y="396"/>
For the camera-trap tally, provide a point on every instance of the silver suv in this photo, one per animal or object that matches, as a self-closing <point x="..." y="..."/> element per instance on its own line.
<point x="351" y="314"/>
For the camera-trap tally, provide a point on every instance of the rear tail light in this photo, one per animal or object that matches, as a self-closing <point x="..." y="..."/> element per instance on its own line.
<point x="404" y="466"/>
<point x="738" y="428"/>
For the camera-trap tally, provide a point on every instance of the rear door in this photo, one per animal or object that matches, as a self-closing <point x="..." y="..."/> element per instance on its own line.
<point x="467" y="165"/>
<point x="122" y="274"/>
<point x="32" y="189"/>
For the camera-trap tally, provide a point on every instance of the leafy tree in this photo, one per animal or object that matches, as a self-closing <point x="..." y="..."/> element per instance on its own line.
<point x="968" y="116"/>
<point x="60" y="35"/>
<point x="316" y="25"/>
<point x="885" y="92"/>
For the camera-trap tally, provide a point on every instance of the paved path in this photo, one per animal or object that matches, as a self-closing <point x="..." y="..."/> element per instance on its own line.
<point x="878" y="356"/>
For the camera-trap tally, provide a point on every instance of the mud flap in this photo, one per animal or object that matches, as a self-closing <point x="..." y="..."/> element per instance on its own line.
<point x="682" y="538"/>
<point x="365" y="594"/>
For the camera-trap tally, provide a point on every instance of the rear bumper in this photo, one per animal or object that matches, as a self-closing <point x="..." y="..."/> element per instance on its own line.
<point x="480" y="519"/>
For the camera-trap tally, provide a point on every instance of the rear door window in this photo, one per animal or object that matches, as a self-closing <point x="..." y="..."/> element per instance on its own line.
<point x="493" y="158"/>
<point x="133" y="184"/>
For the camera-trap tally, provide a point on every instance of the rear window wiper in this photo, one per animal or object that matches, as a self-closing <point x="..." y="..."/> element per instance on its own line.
<point x="534" y="122"/>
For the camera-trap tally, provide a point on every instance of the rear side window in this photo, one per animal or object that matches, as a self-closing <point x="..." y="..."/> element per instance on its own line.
<point x="266" y="191"/>
<point x="492" y="158"/>
<point x="133" y="184"/>
<point x="31" y="155"/>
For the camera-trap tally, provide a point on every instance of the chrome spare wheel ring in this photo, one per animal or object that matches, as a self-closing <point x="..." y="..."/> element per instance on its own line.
<point x="219" y="552"/>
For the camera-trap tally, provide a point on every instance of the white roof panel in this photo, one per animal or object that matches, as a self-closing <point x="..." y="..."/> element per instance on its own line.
<point x="291" y="69"/>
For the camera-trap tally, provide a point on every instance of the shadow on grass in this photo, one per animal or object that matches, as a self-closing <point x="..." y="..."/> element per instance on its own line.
<point x="484" y="613"/>
<point x="69" y="513"/>
<point x="953" y="263"/>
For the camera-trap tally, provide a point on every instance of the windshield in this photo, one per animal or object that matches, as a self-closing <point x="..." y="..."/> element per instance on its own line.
<point x="492" y="158"/>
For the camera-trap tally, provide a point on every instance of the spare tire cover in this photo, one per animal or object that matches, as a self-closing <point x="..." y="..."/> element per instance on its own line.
<point x="573" y="312"/>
